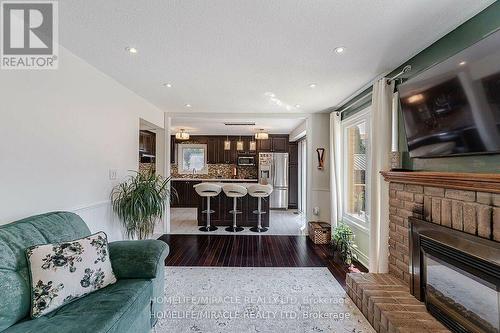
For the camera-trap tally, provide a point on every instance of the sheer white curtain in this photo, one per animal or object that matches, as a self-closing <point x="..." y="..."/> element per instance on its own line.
<point x="335" y="162"/>
<point x="381" y="124"/>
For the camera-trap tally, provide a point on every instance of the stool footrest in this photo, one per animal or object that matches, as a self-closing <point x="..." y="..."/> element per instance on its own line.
<point x="234" y="229"/>
<point x="205" y="211"/>
<point x="257" y="229"/>
<point x="259" y="213"/>
<point x="233" y="212"/>
<point x="208" y="229"/>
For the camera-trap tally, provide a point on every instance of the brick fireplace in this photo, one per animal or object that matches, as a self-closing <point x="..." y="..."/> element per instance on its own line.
<point x="466" y="202"/>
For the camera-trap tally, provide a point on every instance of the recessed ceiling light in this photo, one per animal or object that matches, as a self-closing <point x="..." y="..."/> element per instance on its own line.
<point x="339" y="50"/>
<point x="312" y="85"/>
<point x="297" y="106"/>
<point x="188" y="105"/>
<point x="130" y="49"/>
<point x="168" y="85"/>
<point x="462" y="63"/>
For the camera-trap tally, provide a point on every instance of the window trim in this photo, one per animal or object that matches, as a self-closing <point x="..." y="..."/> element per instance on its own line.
<point x="180" y="152"/>
<point x="361" y="116"/>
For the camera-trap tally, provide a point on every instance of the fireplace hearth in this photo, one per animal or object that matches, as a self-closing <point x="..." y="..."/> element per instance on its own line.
<point x="457" y="275"/>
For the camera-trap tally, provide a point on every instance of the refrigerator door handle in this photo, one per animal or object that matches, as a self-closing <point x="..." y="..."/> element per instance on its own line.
<point x="274" y="172"/>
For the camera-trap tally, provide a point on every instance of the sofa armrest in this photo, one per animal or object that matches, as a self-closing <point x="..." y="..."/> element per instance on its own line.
<point x="137" y="259"/>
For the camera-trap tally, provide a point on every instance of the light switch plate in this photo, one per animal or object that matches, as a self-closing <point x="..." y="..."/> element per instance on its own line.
<point x="112" y="174"/>
<point x="316" y="211"/>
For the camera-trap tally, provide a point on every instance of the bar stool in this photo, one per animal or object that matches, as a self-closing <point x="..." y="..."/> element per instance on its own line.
<point x="259" y="191"/>
<point x="208" y="190"/>
<point x="234" y="191"/>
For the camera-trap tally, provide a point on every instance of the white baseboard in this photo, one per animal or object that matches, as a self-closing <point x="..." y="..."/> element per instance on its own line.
<point x="362" y="258"/>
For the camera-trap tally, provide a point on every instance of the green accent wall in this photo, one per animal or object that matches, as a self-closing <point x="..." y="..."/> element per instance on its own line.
<point x="467" y="34"/>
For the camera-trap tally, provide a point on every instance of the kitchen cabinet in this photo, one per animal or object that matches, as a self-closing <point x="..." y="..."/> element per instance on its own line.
<point x="293" y="175"/>
<point x="220" y="150"/>
<point x="293" y="153"/>
<point x="215" y="147"/>
<point x="279" y="144"/>
<point x="213" y="150"/>
<point x="186" y="194"/>
<point x="264" y="145"/>
<point x="147" y="142"/>
<point x="173" y="151"/>
<point x="275" y="143"/>
<point x="231" y="155"/>
<point x="293" y="181"/>
<point x="221" y="205"/>
<point x="246" y="146"/>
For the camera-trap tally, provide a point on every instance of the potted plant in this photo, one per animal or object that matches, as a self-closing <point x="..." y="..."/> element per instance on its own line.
<point x="140" y="202"/>
<point x="343" y="242"/>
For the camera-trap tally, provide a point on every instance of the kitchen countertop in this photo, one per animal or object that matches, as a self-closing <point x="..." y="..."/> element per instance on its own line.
<point x="217" y="180"/>
<point x="244" y="184"/>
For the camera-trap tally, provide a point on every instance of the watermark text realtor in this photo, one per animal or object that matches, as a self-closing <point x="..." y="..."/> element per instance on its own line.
<point x="29" y="35"/>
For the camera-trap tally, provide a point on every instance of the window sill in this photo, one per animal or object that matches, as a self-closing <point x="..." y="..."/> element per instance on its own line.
<point x="364" y="227"/>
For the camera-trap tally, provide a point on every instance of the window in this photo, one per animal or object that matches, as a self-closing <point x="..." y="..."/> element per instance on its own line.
<point x="355" y="153"/>
<point x="192" y="158"/>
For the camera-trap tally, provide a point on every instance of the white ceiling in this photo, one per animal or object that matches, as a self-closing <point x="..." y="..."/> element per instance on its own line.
<point x="223" y="56"/>
<point x="214" y="125"/>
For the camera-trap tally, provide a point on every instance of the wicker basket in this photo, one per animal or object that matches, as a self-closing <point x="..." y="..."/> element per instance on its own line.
<point x="320" y="232"/>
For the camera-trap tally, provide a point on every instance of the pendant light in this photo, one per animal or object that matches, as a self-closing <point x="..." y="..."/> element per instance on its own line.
<point x="253" y="145"/>
<point x="239" y="144"/>
<point x="227" y="144"/>
<point x="182" y="135"/>
<point x="261" y="135"/>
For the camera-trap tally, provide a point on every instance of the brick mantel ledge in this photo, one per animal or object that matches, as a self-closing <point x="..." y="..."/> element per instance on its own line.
<point x="481" y="182"/>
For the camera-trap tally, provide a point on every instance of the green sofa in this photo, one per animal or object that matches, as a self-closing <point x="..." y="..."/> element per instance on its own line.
<point x="126" y="306"/>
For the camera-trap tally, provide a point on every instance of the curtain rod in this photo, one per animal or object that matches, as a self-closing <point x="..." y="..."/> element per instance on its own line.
<point x="406" y="69"/>
<point x="353" y="103"/>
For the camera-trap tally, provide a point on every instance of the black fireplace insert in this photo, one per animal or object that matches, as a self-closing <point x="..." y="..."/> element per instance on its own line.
<point x="457" y="275"/>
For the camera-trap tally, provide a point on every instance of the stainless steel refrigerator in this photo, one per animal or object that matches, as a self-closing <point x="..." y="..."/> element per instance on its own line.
<point x="273" y="169"/>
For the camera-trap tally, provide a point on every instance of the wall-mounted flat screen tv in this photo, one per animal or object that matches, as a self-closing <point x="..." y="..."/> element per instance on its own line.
<point x="453" y="108"/>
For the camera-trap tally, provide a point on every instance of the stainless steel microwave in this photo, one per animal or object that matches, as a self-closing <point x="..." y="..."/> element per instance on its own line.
<point x="246" y="160"/>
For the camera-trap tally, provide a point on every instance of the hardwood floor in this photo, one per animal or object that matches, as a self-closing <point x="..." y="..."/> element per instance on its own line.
<point x="253" y="251"/>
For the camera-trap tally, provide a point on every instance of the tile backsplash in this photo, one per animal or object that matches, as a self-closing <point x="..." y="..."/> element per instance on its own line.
<point x="219" y="171"/>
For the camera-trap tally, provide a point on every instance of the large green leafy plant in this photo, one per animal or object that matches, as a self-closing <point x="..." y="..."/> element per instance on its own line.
<point x="343" y="241"/>
<point x="140" y="202"/>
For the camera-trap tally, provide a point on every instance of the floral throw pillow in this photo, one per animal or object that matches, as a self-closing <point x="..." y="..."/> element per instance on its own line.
<point x="63" y="272"/>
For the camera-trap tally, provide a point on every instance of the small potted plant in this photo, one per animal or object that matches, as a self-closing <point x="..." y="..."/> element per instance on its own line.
<point x="140" y="202"/>
<point x="343" y="242"/>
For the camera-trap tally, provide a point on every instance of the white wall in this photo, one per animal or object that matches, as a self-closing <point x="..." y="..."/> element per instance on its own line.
<point x="61" y="132"/>
<point x="318" y="181"/>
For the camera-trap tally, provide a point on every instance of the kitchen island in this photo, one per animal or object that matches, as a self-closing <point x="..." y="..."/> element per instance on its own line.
<point x="221" y="204"/>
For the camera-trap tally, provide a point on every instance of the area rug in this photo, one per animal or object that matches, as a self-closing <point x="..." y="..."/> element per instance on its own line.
<point x="251" y="299"/>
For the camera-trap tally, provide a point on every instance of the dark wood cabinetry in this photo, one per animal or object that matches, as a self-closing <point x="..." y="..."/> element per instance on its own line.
<point x="147" y="142"/>
<point x="173" y="152"/>
<point x="293" y="175"/>
<point x="213" y="150"/>
<point x="231" y="155"/>
<point x="216" y="154"/>
<point x="264" y="145"/>
<point x="246" y="146"/>
<point x="275" y="143"/>
<point x="279" y="144"/>
<point x="147" y="146"/>
<point x="186" y="194"/>
<point x="222" y="204"/>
